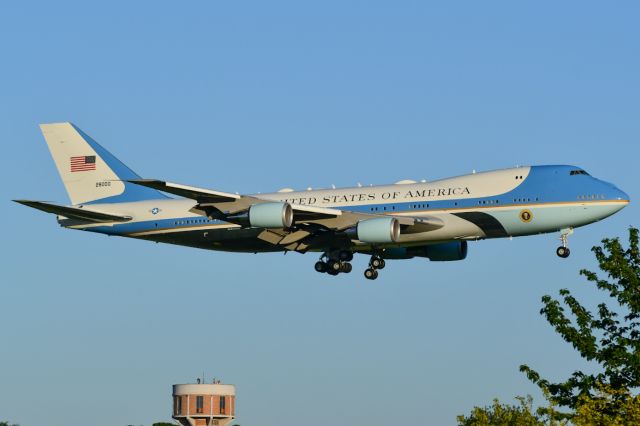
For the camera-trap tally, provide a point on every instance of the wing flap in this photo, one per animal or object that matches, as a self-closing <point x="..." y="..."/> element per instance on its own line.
<point x="304" y="213"/>
<point x="76" y="213"/>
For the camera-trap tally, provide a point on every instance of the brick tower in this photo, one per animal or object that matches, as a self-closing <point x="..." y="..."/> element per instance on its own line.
<point x="203" y="404"/>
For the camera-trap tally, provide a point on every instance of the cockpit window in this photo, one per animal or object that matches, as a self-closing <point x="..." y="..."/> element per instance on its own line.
<point x="578" y="172"/>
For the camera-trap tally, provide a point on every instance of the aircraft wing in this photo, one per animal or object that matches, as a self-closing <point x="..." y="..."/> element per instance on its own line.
<point x="82" y="214"/>
<point x="229" y="203"/>
<point x="308" y="219"/>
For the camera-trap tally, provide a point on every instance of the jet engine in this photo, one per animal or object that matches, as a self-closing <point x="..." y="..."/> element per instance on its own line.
<point x="378" y="230"/>
<point x="271" y="215"/>
<point x="455" y="250"/>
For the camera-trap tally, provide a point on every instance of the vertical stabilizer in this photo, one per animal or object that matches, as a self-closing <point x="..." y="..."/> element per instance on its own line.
<point x="89" y="172"/>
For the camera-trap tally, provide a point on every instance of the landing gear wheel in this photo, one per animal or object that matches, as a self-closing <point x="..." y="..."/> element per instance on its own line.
<point x="334" y="265"/>
<point x="563" y="252"/>
<point x="320" y="266"/>
<point x="377" y="263"/>
<point x="346" y="267"/>
<point x="370" y="274"/>
<point x="382" y="264"/>
<point x="332" y="272"/>
<point x="345" y="255"/>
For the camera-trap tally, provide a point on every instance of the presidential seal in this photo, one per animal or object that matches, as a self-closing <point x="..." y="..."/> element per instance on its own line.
<point x="526" y="216"/>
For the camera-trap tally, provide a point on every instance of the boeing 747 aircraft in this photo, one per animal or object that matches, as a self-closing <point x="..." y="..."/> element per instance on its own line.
<point x="433" y="220"/>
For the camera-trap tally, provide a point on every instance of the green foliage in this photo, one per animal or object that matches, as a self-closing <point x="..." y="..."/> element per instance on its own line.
<point x="514" y="415"/>
<point x="597" y="410"/>
<point x="8" y="424"/>
<point x="503" y="415"/>
<point x="610" y="337"/>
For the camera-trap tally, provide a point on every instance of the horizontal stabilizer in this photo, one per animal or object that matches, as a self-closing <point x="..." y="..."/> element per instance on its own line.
<point x="74" y="212"/>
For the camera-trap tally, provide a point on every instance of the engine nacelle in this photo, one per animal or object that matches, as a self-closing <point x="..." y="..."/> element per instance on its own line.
<point x="378" y="230"/>
<point x="271" y="215"/>
<point x="455" y="250"/>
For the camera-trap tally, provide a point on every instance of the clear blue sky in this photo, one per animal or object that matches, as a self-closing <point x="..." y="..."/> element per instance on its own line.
<point x="255" y="96"/>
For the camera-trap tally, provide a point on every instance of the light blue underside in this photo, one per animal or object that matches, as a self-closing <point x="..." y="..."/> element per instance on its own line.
<point x="548" y="219"/>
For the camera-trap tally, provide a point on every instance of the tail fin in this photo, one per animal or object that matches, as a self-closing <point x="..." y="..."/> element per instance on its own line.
<point x="89" y="172"/>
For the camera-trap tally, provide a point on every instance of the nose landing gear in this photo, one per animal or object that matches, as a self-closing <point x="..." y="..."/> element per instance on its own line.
<point x="563" y="251"/>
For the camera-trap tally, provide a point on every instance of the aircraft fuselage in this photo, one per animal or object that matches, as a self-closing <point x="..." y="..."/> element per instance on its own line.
<point x="503" y="203"/>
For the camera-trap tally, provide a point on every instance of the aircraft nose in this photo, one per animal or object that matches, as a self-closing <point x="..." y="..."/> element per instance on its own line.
<point x="621" y="195"/>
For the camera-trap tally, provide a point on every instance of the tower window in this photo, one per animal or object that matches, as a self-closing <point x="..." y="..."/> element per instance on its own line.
<point x="199" y="404"/>
<point x="223" y="404"/>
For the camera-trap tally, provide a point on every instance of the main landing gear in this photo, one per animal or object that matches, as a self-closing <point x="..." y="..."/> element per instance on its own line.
<point x="376" y="263"/>
<point x="563" y="251"/>
<point x="335" y="262"/>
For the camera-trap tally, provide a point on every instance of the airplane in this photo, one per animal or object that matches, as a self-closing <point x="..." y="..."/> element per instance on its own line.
<point x="408" y="219"/>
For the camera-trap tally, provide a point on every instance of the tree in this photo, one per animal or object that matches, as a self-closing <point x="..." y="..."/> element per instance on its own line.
<point x="610" y="337"/>
<point x="8" y="424"/>
<point x="503" y="414"/>
<point x="594" y="411"/>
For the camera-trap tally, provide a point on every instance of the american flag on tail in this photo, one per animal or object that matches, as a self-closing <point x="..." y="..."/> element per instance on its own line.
<point x="83" y="163"/>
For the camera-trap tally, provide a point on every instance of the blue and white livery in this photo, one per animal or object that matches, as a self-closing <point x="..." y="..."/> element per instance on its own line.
<point x="434" y="220"/>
